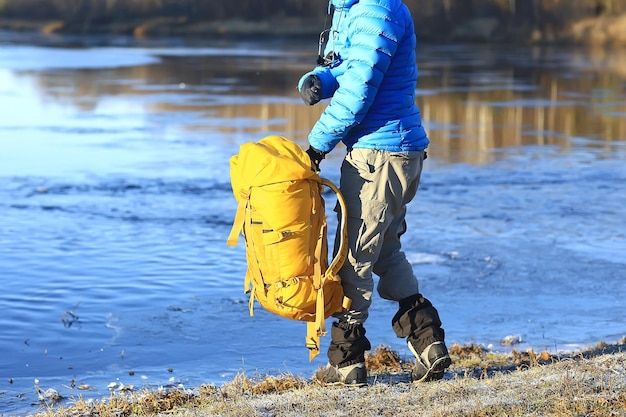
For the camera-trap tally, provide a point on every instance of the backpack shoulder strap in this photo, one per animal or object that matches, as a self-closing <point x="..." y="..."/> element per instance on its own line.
<point x="342" y="253"/>
<point x="317" y="328"/>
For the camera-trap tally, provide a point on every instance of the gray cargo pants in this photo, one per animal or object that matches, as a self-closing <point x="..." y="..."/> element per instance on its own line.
<point x="377" y="185"/>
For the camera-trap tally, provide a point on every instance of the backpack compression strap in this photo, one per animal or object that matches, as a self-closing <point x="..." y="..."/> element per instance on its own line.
<point x="316" y="329"/>
<point x="233" y="237"/>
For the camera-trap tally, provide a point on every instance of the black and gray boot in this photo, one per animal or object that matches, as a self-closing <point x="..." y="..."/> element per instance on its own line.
<point x="346" y="356"/>
<point x="353" y="375"/>
<point x="419" y="322"/>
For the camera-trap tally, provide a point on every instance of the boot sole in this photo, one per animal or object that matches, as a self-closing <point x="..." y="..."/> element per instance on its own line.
<point x="344" y="384"/>
<point x="436" y="371"/>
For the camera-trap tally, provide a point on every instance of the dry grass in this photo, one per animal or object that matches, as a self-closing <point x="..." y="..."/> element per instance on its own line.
<point x="385" y="360"/>
<point x="479" y="384"/>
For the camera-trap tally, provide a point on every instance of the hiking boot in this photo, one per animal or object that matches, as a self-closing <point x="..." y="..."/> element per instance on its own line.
<point x="352" y="375"/>
<point x="431" y="364"/>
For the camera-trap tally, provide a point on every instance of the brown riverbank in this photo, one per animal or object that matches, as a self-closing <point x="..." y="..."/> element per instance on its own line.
<point x="596" y="31"/>
<point x="480" y="383"/>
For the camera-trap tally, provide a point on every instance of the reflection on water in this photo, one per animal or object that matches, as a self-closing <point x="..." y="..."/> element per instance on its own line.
<point x="473" y="98"/>
<point x="116" y="203"/>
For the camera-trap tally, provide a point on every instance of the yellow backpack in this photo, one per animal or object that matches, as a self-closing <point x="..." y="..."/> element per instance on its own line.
<point x="281" y="214"/>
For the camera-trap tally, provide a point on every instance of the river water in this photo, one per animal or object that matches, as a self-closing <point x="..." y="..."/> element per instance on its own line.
<point x="115" y="204"/>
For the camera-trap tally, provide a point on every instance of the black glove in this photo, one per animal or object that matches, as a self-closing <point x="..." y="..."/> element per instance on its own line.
<point x="316" y="157"/>
<point x="311" y="90"/>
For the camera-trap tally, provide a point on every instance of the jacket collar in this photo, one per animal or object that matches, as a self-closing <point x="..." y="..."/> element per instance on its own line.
<point x="340" y="4"/>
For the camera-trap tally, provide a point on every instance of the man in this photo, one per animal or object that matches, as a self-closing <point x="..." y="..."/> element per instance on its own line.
<point x="369" y="69"/>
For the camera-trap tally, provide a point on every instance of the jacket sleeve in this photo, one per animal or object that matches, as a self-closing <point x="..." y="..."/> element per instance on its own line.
<point x="373" y="42"/>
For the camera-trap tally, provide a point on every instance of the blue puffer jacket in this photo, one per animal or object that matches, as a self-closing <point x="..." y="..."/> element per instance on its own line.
<point x="372" y="83"/>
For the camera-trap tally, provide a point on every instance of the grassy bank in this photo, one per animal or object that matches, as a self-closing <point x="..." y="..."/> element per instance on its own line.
<point x="480" y="383"/>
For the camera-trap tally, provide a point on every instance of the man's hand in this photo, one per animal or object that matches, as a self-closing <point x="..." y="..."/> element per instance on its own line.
<point x="316" y="157"/>
<point x="311" y="89"/>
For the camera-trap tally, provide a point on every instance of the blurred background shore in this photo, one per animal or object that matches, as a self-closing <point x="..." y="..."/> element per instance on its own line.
<point x="579" y="22"/>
